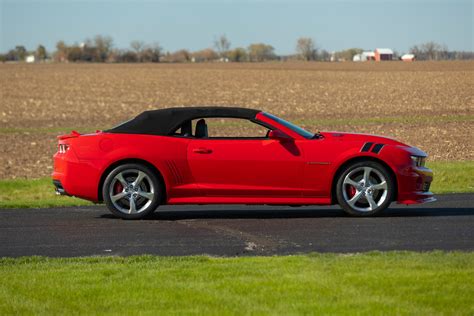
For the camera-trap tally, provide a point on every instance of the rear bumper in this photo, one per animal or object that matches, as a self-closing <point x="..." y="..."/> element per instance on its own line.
<point x="414" y="186"/>
<point x="74" y="177"/>
<point x="58" y="188"/>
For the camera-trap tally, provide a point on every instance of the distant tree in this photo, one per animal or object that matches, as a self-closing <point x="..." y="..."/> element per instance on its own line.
<point x="61" y="51"/>
<point x="306" y="48"/>
<point x="348" y="54"/>
<point x="261" y="52"/>
<point x="41" y="53"/>
<point x="151" y="53"/>
<point x="103" y="45"/>
<point x="89" y="52"/>
<point x="11" y="55"/>
<point x="222" y="45"/>
<point x="17" y="54"/>
<point x="127" y="57"/>
<point x="114" y="55"/>
<point x="430" y="51"/>
<point x="238" y="54"/>
<point x="75" y="54"/>
<point x="179" y="56"/>
<point x="138" y="47"/>
<point x="204" y="55"/>
<point x="20" y="52"/>
<point x="324" y="55"/>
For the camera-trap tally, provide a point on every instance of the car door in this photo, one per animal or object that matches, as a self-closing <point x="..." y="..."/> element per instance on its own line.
<point x="246" y="167"/>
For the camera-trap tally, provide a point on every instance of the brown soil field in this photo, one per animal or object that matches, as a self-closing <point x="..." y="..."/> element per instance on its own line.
<point x="426" y="104"/>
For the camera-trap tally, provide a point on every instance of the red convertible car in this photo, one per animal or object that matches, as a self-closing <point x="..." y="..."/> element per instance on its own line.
<point x="224" y="155"/>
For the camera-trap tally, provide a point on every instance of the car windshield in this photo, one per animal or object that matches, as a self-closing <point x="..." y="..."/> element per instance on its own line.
<point x="291" y="126"/>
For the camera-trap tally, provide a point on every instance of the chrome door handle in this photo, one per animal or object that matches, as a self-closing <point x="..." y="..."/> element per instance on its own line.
<point x="202" y="150"/>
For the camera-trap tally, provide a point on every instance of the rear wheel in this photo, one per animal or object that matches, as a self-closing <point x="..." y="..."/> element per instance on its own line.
<point x="364" y="188"/>
<point x="131" y="191"/>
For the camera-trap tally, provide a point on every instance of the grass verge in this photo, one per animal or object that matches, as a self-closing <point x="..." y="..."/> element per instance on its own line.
<point x="20" y="193"/>
<point x="452" y="176"/>
<point x="27" y="193"/>
<point x="390" y="283"/>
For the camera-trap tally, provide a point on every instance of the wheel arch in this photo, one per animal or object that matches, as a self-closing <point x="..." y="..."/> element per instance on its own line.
<point x="360" y="159"/>
<point x="137" y="161"/>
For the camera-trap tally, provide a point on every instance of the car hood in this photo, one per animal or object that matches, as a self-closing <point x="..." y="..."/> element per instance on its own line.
<point x="356" y="137"/>
<point x="363" y="138"/>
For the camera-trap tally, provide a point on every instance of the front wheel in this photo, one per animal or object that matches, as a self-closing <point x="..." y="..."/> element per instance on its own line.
<point x="131" y="191"/>
<point x="365" y="188"/>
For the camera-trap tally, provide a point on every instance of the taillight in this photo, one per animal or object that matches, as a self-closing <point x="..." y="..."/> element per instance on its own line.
<point x="62" y="148"/>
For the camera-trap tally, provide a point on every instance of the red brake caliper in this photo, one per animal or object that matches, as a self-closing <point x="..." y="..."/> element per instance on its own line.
<point x="351" y="191"/>
<point x="118" y="187"/>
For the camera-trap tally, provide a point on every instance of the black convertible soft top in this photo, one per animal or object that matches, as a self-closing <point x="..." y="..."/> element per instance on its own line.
<point x="166" y="121"/>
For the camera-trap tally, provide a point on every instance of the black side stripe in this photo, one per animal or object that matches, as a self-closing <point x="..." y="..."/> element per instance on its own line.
<point x="366" y="147"/>
<point x="377" y="148"/>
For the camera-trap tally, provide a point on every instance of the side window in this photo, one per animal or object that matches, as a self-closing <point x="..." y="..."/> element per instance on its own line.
<point x="185" y="130"/>
<point x="234" y="128"/>
<point x="214" y="127"/>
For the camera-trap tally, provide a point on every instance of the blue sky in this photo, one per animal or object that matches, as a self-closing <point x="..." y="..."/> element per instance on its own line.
<point x="195" y="24"/>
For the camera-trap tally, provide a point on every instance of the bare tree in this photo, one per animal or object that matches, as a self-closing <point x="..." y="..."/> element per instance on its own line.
<point x="430" y="51"/>
<point x="261" y="52"/>
<point x="324" y="55"/>
<point x="180" y="56"/>
<point x="222" y="45"/>
<point x="138" y="47"/>
<point x="306" y="48"/>
<point x="204" y="55"/>
<point x="152" y="53"/>
<point x="103" y="45"/>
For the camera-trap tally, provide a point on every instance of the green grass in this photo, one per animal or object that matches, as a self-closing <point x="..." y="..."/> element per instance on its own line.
<point x="20" y="193"/>
<point x="452" y="177"/>
<point x="449" y="177"/>
<point x="391" y="283"/>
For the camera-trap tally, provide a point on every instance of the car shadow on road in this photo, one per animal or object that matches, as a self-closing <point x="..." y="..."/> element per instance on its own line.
<point x="174" y="215"/>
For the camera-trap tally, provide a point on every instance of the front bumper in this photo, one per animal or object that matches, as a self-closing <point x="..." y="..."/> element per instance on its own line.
<point x="414" y="185"/>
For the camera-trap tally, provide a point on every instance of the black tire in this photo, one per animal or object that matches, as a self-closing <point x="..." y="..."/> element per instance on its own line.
<point x="364" y="194"/>
<point x="149" y="186"/>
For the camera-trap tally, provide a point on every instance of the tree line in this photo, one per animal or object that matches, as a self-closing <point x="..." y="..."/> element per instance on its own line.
<point x="101" y="49"/>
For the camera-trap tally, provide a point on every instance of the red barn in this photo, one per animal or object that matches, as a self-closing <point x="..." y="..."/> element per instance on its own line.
<point x="383" y="54"/>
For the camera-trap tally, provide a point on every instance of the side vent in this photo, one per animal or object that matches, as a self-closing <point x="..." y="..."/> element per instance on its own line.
<point x="366" y="147"/>
<point x="178" y="178"/>
<point x="377" y="148"/>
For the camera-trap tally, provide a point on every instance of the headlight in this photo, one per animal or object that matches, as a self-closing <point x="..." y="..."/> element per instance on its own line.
<point x="418" y="161"/>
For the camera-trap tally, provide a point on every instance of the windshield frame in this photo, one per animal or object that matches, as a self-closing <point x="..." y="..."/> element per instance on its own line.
<point x="295" y="128"/>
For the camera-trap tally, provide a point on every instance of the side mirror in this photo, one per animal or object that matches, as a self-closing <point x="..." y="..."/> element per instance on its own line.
<point x="279" y="135"/>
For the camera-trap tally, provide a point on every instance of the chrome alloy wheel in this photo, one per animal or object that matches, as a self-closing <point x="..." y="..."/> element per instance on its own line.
<point x="131" y="191"/>
<point x="365" y="189"/>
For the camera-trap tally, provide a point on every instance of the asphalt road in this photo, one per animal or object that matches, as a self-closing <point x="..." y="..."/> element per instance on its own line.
<point x="447" y="224"/>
